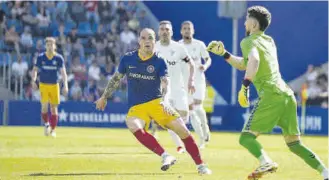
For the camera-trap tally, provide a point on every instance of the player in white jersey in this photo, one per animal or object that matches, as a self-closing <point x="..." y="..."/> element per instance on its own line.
<point x="177" y="60"/>
<point x="198" y="51"/>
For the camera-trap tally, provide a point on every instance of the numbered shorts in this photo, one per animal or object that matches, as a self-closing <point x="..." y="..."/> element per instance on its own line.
<point x="200" y="92"/>
<point x="49" y="93"/>
<point x="152" y="110"/>
<point x="179" y="100"/>
<point x="274" y="110"/>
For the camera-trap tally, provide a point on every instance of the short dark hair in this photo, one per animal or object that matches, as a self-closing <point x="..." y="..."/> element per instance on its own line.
<point x="187" y="22"/>
<point x="262" y="15"/>
<point x="165" y="22"/>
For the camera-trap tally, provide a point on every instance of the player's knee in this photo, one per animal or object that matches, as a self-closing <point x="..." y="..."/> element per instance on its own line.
<point x="44" y="107"/>
<point x="134" y="124"/>
<point x="291" y="139"/>
<point x="245" y="138"/>
<point x="54" y="109"/>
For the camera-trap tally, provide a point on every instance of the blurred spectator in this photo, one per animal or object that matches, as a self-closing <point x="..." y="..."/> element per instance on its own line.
<point x="128" y="38"/>
<point x="12" y="39"/>
<point x="94" y="71"/>
<point x="144" y="21"/>
<point x="61" y="11"/>
<point x="17" y="10"/>
<point x="19" y="67"/>
<point x="101" y="84"/>
<point x="28" y="18"/>
<point x="79" y="70"/>
<point x="110" y="52"/>
<point x="92" y="11"/>
<point x="2" y="24"/>
<point x="74" y="45"/>
<point x="318" y="91"/>
<point x="26" y="39"/>
<point x="105" y="11"/>
<point x="121" y="94"/>
<point x="76" y="91"/>
<point x="77" y="12"/>
<point x="90" y="92"/>
<point x="43" y="22"/>
<point x="108" y="70"/>
<point x="98" y="41"/>
<point x="122" y="15"/>
<point x="131" y="9"/>
<point x="39" y="48"/>
<point x="60" y="39"/>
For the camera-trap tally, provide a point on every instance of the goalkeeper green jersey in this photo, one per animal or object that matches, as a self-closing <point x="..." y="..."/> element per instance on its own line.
<point x="268" y="77"/>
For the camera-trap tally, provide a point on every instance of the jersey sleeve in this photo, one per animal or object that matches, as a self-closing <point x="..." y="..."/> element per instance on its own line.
<point x="246" y="46"/>
<point x="163" y="70"/>
<point x="204" y="52"/>
<point x="184" y="55"/>
<point x="122" y="66"/>
<point x="38" y="63"/>
<point x="60" y="62"/>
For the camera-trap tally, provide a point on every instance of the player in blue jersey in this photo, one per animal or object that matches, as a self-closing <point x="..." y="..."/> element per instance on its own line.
<point x="47" y="65"/>
<point x="147" y="98"/>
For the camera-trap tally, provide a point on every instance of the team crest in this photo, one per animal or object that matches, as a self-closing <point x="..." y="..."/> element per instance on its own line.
<point x="150" y="69"/>
<point x="54" y="62"/>
<point x="43" y="63"/>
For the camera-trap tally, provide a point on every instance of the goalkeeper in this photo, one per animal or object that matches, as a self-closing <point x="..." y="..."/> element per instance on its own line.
<point x="276" y="104"/>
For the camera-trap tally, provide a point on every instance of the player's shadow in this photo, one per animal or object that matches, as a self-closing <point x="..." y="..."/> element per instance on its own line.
<point x="105" y="174"/>
<point x="105" y="153"/>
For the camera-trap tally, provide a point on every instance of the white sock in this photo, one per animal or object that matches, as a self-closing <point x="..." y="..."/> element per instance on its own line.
<point x="164" y="154"/>
<point x="325" y="173"/>
<point x="176" y="138"/>
<point x="203" y="118"/>
<point x="196" y="124"/>
<point x="47" y="124"/>
<point x="264" y="158"/>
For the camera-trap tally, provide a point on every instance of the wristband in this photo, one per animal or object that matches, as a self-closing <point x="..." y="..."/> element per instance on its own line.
<point x="227" y="55"/>
<point x="246" y="82"/>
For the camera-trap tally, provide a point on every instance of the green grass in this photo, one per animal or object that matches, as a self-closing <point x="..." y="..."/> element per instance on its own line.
<point x="88" y="153"/>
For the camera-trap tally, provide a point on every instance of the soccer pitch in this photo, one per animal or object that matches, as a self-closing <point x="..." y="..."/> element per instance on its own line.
<point x="90" y="153"/>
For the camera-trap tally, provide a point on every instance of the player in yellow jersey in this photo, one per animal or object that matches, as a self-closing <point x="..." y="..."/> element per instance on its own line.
<point x="47" y="66"/>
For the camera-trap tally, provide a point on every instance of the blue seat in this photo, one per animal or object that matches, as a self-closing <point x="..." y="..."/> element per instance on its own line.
<point x="68" y="26"/>
<point x="84" y="29"/>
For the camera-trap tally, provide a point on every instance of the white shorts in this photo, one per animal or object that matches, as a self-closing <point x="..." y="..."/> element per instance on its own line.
<point x="179" y="100"/>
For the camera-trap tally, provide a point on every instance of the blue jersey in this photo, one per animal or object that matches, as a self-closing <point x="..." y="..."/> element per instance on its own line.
<point x="144" y="77"/>
<point x="48" y="68"/>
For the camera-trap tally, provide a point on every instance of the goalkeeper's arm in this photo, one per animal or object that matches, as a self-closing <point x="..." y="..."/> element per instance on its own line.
<point x="217" y="47"/>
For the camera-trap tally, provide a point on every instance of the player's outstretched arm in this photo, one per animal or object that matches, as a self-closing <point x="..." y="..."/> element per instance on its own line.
<point x="191" y="87"/>
<point x="218" y="48"/>
<point x="165" y="95"/>
<point x="64" y="78"/>
<point x="34" y="74"/>
<point x="251" y="71"/>
<point x="112" y="85"/>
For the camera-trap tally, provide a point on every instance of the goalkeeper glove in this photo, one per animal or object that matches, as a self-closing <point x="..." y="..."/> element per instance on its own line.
<point x="216" y="47"/>
<point x="243" y="96"/>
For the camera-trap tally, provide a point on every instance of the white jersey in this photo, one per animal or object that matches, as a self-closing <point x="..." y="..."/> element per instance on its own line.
<point x="177" y="59"/>
<point x="197" y="51"/>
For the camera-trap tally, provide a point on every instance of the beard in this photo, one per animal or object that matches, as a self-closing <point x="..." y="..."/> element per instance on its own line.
<point x="187" y="37"/>
<point x="247" y="33"/>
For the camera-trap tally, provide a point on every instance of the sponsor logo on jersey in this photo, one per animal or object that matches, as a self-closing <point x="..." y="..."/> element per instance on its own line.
<point x="171" y="63"/>
<point x="130" y="67"/>
<point x="141" y="76"/>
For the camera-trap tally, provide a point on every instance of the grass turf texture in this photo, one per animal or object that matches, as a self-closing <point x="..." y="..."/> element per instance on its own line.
<point x="90" y="153"/>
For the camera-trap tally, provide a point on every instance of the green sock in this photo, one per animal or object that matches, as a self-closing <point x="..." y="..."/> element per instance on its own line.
<point x="249" y="141"/>
<point x="307" y="155"/>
